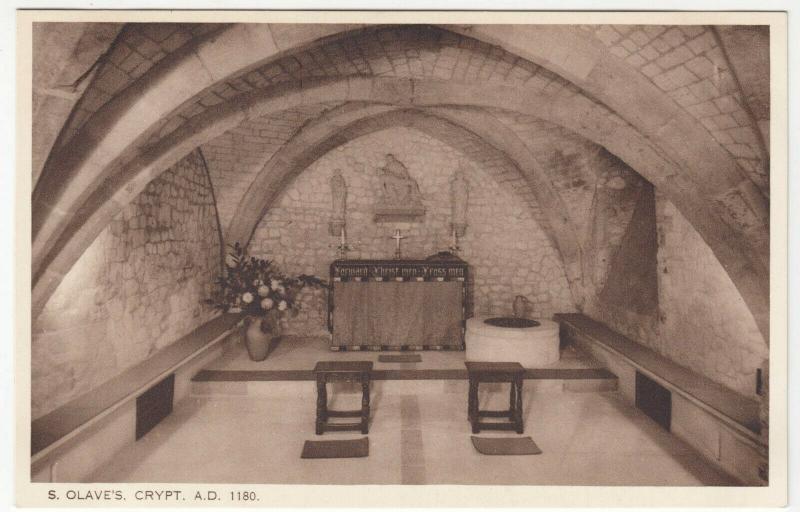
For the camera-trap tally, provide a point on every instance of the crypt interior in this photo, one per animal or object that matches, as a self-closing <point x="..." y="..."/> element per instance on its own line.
<point x="609" y="181"/>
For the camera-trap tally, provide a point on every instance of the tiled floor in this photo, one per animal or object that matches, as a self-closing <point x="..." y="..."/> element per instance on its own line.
<point x="586" y="438"/>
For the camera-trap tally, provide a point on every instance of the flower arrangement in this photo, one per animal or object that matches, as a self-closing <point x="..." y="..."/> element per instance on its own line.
<point x="256" y="287"/>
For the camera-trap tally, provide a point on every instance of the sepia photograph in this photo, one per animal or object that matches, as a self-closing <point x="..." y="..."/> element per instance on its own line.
<point x="495" y="251"/>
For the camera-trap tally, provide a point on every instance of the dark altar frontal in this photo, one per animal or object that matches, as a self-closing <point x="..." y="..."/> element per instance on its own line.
<point x="398" y="304"/>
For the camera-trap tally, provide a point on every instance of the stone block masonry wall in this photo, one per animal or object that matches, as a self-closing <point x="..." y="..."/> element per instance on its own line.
<point x="136" y="289"/>
<point x="687" y="63"/>
<point x="598" y="191"/>
<point x="237" y="156"/>
<point x="703" y="323"/>
<point x="508" y="252"/>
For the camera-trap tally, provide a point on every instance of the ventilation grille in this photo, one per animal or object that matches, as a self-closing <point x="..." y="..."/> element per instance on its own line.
<point x="654" y="400"/>
<point x="154" y="405"/>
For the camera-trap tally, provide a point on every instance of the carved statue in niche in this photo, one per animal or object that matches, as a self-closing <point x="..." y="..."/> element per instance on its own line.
<point x="400" y="198"/>
<point x="459" y="196"/>
<point x="338" y="203"/>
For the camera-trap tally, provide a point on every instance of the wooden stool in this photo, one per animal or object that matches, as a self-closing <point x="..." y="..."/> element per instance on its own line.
<point x="342" y="371"/>
<point x="495" y="372"/>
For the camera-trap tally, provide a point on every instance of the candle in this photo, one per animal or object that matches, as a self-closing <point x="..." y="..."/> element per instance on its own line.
<point x="455" y="240"/>
<point x="342" y="237"/>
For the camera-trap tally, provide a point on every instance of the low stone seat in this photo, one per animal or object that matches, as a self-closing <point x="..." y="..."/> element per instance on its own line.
<point x="59" y="425"/>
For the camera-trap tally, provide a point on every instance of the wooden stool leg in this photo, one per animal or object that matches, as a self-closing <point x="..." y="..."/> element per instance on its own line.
<point x="473" y="405"/>
<point x="469" y="400"/>
<point x="322" y="405"/>
<point x="512" y="400"/>
<point x="365" y="405"/>
<point x="518" y="406"/>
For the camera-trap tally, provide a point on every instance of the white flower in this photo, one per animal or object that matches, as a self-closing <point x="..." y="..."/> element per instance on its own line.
<point x="247" y="297"/>
<point x="263" y="290"/>
<point x="274" y="284"/>
<point x="267" y="304"/>
<point x="282" y="305"/>
<point x="257" y="282"/>
<point x="281" y="289"/>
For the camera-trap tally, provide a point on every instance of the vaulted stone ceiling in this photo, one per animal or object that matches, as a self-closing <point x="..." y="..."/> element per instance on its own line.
<point x="691" y="66"/>
<point x="531" y="101"/>
<point x="98" y="61"/>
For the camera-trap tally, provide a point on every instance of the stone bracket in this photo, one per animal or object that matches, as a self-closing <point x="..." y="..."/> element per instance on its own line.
<point x="399" y="215"/>
<point x="335" y="227"/>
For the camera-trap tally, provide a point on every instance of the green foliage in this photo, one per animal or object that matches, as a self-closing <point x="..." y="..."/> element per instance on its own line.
<point x="256" y="286"/>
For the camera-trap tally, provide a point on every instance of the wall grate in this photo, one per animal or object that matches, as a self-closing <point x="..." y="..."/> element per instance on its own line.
<point x="654" y="400"/>
<point x="154" y="405"/>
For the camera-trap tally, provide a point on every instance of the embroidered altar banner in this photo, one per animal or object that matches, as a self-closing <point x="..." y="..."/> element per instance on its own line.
<point x="391" y="315"/>
<point x="398" y="304"/>
<point x="418" y="270"/>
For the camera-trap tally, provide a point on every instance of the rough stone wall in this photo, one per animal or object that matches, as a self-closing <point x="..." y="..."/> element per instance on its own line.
<point x="703" y="323"/>
<point x="632" y="281"/>
<point x="137" y="289"/>
<point x="508" y="252"/>
<point x="568" y="160"/>
<point x="616" y="193"/>
<point x="597" y="190"/>
<point x="237" y="156"/>
<point x="713" y="332"/>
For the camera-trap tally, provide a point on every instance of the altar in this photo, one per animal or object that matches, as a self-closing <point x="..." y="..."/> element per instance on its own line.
<point x="398" y="304"/>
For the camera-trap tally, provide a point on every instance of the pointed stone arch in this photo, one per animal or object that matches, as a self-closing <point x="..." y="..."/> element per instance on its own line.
<point x="353" y="121"/>
<point x="661" y="142"/>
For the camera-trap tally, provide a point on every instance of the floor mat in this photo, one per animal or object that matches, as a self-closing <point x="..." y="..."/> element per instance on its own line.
<point x="400" y="358"/>
<point x="338" y="449"/>
<point x="505" y="445"/>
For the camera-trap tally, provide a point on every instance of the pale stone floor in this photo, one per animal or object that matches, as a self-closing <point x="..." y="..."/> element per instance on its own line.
<point x="415" y="438"/>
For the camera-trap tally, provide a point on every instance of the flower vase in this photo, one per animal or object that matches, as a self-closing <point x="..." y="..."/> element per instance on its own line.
<point x="260" y="334"/>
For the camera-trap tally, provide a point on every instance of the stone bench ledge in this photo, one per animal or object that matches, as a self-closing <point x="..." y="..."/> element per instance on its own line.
<point x="392" y="374"/>
<point x="57" y="427"/>
<point x="736" y="410"/>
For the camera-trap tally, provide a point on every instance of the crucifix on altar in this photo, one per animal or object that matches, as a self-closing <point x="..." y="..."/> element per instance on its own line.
<point x="397" y="237"/>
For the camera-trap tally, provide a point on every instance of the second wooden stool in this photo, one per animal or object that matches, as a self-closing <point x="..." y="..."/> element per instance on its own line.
<point x="342" y="371"/>
<point x="512" y="373"/>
